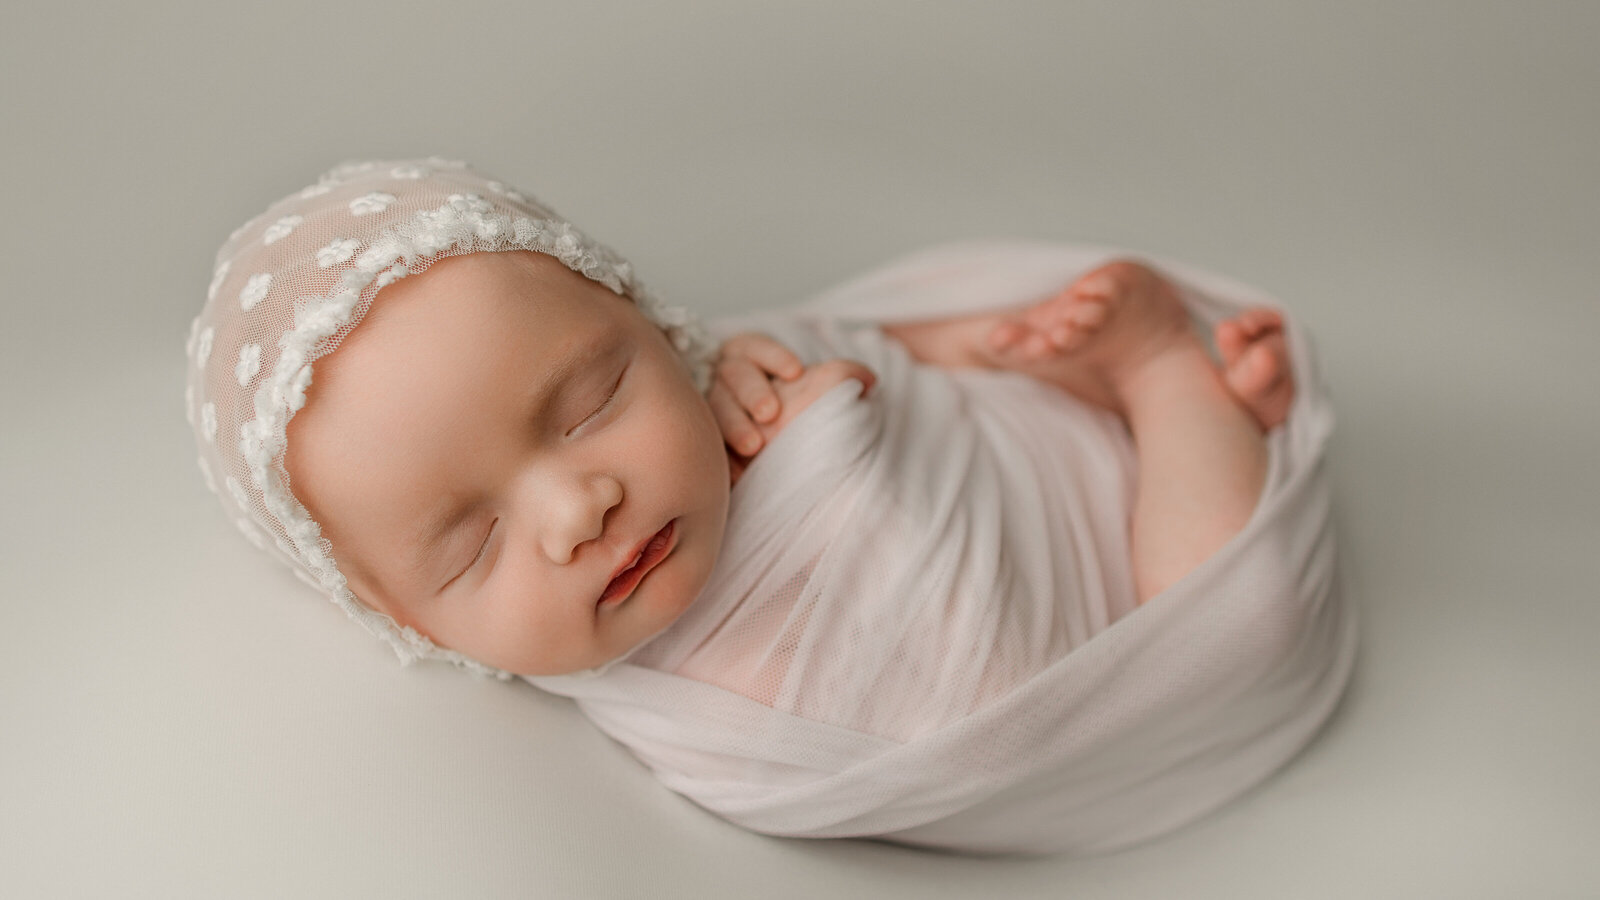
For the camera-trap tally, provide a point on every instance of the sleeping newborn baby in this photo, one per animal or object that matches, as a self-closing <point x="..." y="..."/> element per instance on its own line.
<point x="983" y="550"/>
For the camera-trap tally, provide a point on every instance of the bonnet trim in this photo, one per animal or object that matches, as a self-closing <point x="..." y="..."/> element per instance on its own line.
<point x="465" y="223"/>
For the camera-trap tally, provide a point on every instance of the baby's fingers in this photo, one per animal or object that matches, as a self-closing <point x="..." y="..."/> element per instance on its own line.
<point x="737" y="430"/>
<point x="750" y="387"/>
<point x="834" y="371"/>
<point x="766" y="352"/>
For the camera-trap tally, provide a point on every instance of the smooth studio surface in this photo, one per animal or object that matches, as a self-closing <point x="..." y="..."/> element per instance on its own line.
<point x="1417" y="182"/>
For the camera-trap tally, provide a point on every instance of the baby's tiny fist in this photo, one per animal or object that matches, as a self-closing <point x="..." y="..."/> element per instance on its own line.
<point x="794" y="396"/>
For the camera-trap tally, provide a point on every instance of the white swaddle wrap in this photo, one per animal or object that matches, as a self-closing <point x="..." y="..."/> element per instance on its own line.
<point x="921" y="624"/>
<point x="923" y="627"/>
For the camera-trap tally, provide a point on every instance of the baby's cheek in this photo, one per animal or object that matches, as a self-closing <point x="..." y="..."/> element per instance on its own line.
<point x="700" y="435"/>
<point x="704" y="464"/>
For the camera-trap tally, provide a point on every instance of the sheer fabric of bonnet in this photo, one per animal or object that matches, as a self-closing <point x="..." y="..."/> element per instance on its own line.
<point x="922" y="622"/>
<point x="293" y="281"/>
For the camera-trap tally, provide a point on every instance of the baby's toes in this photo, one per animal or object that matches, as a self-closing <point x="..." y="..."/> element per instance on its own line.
<point x="1260" y="379"/>
<point x="1007" y="336"/>
<point x="1014" y="342"/>
<point x="1088" y="313"/>
<point x="1036" y="346"/>
<point x="1254" y="373"/>
<point x="1108" y="281"/>
<point x="1231" y="340"/>
<point x="1236" y="335"/>
<point x="1258" y="321"/>
<point x="1069" y="318"/>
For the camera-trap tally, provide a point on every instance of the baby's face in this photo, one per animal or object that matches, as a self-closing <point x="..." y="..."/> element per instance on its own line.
<point x="494" y="441"/>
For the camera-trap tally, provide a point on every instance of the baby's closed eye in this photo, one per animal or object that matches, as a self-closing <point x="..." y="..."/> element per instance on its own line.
<point x="610" y="397"/>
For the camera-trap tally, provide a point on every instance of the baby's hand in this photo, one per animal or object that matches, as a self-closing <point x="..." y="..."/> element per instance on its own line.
<point x="743" y="393"/>
<point x="751" y="406"/>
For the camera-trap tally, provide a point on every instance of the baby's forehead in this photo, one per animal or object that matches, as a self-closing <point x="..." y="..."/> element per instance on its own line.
<point x="484" y="282"/>
<point x="496" y="293"/>
<point x="496" y="312"/>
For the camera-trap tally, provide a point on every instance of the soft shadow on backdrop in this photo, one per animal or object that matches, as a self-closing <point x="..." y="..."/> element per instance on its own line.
<point x="1417" y="181"/>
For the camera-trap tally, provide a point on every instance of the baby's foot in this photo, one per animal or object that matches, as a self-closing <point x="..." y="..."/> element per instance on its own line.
<point x="1091" y="336"/>
<point x="1255" y="363"/>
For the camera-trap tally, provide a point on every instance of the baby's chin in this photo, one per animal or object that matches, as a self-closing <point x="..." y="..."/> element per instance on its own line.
<point x="669" y="590"/>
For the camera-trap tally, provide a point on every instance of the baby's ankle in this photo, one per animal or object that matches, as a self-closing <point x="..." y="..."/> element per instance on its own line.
<point x="1136" y="377"/>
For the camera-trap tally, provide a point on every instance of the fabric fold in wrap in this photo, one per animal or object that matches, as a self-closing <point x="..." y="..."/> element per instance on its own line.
<point x="923" y="624"/>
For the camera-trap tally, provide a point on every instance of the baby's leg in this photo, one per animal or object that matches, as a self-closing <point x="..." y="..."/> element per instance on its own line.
<point x="1126" y="345"/>
<point x="1202" y="462"/>
<point x="1255" y="353"/>
<point x="1202" y="459"/>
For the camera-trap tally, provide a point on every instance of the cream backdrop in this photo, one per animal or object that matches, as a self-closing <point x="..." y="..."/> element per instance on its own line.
<point x="1418" y="181"/>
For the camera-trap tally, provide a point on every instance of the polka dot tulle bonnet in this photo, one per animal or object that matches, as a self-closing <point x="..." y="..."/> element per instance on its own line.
<point x="292" y="282"/>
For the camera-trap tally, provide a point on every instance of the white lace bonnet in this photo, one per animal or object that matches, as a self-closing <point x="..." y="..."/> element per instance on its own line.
<point x="293" y="281"/>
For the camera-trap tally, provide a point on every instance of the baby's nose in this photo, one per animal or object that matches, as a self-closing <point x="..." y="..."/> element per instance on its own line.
<point x="577" y="514"/>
